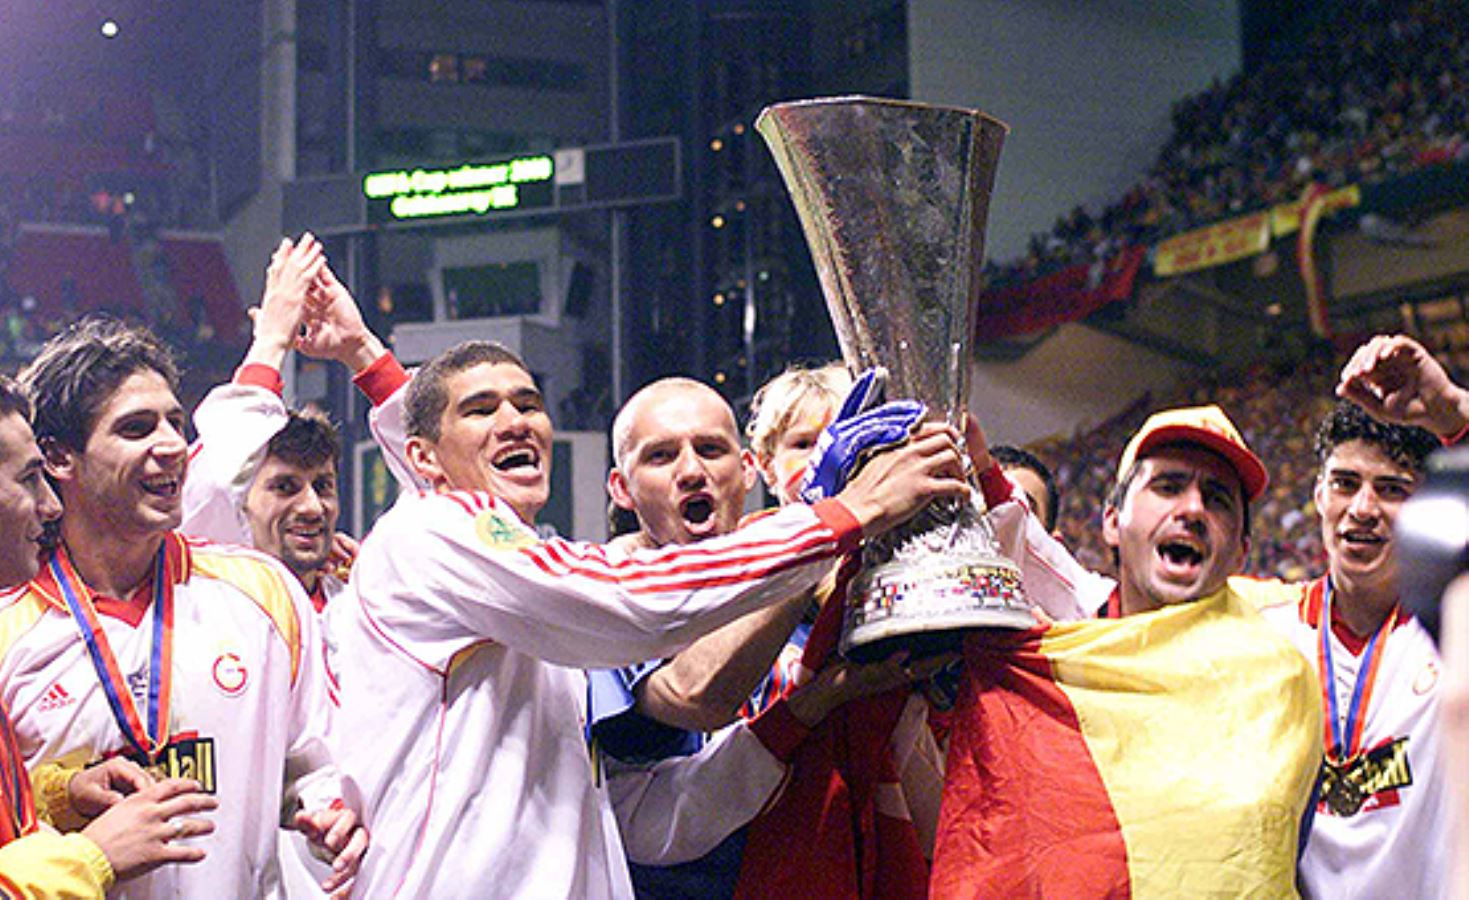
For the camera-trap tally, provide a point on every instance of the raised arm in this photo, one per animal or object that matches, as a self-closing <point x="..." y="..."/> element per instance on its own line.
<point x="1395" y="379"/>
<point x="334" y="330"/>
<point x="476" y="572"/>
<point x="703" y="688"/>
<point x="236" y="421"/>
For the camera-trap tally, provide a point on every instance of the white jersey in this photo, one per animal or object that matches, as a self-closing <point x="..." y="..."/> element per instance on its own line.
<point x="248" y="702"/>
<point x="236" y="422"/>
<point x="1398" y="843"/>
<point x="462" y="713"/>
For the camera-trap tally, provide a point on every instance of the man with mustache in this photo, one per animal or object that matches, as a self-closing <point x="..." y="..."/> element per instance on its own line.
<point x="134" y="641"/>
<point x="462" y="635"/>
<point x="265" y="475"/>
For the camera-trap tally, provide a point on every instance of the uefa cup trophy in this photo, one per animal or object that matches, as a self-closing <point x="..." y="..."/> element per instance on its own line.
<point x="893" y="197"/>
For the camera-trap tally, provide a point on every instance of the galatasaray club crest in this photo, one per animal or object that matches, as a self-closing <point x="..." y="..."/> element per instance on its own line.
<point x="230" y="674"/>
<point x="1426" y="679"/>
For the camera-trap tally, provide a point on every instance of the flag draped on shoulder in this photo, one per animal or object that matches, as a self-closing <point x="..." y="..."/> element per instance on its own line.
<point x="1171" y="752"/>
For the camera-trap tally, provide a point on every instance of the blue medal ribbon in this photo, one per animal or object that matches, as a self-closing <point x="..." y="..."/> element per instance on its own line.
<point x="146" y="737"/>
<point x="1343" y="739"/>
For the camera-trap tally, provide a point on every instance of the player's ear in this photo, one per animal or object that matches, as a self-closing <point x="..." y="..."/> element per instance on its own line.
<point x="617" y="490"/>
<point x="423" y="457"/>
<point x="1111" y="529"/>
<point x="748" y="470"/>
<point x="60" y="460"/>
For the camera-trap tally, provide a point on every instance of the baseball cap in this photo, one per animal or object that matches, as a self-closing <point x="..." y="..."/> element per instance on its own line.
<point x="1207" y="426"/>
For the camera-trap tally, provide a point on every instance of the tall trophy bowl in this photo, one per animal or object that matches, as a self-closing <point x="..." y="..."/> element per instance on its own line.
<point x="893" y="198"/>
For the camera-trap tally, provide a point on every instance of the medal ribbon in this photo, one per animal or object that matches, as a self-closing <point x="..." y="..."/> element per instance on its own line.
<point x="1343" y="740"/>
<point x="147" y="738"/>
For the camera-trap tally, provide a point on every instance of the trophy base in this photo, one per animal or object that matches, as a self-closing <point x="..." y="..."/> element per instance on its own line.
<point x="924" y="606"/>
<point x="876" y="643"/>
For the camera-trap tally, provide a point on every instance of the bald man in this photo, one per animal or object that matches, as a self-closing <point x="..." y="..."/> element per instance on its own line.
<point x="680" y="469"/>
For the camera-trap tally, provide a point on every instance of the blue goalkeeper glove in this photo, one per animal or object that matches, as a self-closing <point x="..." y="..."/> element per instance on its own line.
<point x="863" y="426"/>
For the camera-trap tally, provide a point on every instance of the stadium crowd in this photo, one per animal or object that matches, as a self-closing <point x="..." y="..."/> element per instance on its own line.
<point x="1374" y="91"/>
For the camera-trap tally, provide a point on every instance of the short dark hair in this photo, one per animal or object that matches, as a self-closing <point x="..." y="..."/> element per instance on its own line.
<point x="13" y="399"/>
<point x="308" y="440"/>
<point x="427" y="397"/>
<point x="1407" y="445"/>
<point x="1016" y="458"/>
<point x="79" y="369"/>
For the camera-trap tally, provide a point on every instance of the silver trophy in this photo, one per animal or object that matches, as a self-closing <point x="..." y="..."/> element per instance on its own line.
<point x="893" y="198"/>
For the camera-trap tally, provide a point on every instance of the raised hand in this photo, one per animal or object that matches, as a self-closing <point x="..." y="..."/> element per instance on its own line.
<point x="333" y="325"/>
<point x="861" y="427"/>
<point x="895" y="484"/>
<point x="1396" y="380"/>
<point x="293" y="270"/>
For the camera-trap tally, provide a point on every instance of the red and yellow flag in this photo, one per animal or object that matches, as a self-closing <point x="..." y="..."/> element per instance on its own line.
<point x="1171" y="752"/>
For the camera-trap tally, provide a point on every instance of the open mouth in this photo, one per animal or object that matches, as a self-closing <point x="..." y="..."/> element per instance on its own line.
<point x="166" y="487"/>
<point x="697" y="510"/>
<point x="517" y="459"/>
<point x="1181" y="554"/>
<point x="305" y="532"/>
<point x="1363" y="539"/>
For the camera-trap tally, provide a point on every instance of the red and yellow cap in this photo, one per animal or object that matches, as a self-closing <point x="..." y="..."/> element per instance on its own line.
<point x="1207" y="426"/>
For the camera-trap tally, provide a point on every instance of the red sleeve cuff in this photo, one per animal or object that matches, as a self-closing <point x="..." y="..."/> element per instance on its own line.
<point x="381" y="378"/>
<point x="835" y="515"/>
<point x="1454" y="438"/>
<point x="995" y="486"/>
<point x="261" y="375"/>
<point x="779" y="730"/>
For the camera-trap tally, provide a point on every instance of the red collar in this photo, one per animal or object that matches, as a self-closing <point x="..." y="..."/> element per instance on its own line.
<point x="318" y="595"/>
<point x="132" y="609"/>
<point x="1311" y="613"/>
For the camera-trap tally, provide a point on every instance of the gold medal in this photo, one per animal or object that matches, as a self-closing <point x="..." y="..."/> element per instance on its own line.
<point x="1342" y="795"/>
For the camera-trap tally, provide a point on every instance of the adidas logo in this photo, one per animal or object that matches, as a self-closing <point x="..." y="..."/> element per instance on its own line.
<point x="55" y="698"/>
